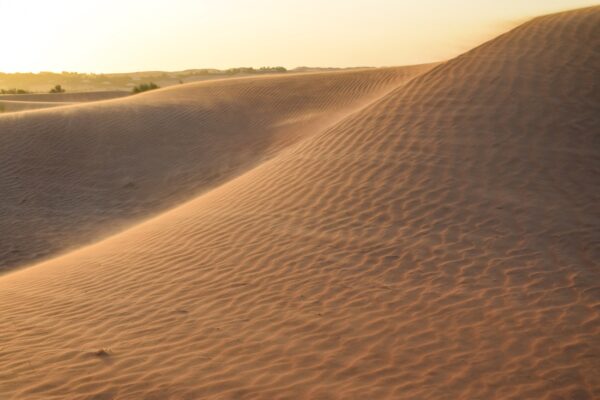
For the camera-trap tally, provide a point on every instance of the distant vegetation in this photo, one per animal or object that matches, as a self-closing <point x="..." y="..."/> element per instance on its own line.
<point x="13" y="91"/>
<point x="144" y="87"/>
<point x="57" y="89"/>
<point x="2" y="108"/>
<point x="262" y="70"/>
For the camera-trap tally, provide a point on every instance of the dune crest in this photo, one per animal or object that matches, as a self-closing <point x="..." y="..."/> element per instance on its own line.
<point x="19" y="105"/>
<point x="69" y="97"/>
<point x="36" y="101"/>
<point x="439" y="243"/>
<point x="74" y="174"/>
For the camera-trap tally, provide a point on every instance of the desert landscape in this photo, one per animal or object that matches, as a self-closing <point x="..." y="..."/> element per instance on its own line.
<point x="429" y="231"/>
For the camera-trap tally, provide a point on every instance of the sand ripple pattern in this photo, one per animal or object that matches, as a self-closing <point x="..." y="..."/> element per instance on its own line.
<point x="74" y="174"/>
<point x="440" y="243"/>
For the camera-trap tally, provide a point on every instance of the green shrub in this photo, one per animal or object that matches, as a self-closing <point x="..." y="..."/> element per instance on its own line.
<point x="57" y="89"/>
<point x="145" y="87"/>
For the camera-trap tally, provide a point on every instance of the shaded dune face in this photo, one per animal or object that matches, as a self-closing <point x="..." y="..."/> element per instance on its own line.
<point x="71" y="175"/>
<point x="439" y="243"/>
<point x="20" y="105"/>
<point x="24" y="102"/>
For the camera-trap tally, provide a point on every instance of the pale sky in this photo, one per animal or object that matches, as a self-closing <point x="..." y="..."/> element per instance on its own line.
<point x="134" y="35"/>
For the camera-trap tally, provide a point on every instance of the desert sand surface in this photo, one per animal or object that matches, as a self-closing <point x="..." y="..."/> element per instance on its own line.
<point x="74" y="174"/>
<point x="18" y="105"/>
<point x="22" y="102"/>
<point x="74" y="97"/>
<point x="420" y="233"/>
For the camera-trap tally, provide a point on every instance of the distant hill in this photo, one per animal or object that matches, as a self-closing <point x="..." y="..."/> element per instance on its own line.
<point x="324" y="69"/>
<point x="77" y="82"/>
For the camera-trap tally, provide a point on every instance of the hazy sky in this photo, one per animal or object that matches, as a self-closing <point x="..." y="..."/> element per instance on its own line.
<point x="130" y="35"/>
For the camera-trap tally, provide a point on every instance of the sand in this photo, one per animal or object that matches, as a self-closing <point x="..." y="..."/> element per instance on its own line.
<point x="22" y="102"/>
<point x="75" y="174"/>
<point x="386" y="234"/>
<point x="18" y="105"/>
<point x="72" y="97"/>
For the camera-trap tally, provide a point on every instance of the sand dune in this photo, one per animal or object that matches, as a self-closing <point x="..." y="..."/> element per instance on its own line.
<point x="70" y="175"/>
<point x="17" y="105"/>
<point x="440" y="242"/>
<point x="74" y="97"/>
<point x="22" y="102"/>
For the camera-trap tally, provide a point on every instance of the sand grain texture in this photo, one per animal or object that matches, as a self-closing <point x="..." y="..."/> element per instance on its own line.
<point x="73" y="174"/>
<point x="439" y="243"/>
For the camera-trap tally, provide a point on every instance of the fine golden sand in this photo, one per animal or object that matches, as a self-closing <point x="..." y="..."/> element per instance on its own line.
<point x="427" y="232"/>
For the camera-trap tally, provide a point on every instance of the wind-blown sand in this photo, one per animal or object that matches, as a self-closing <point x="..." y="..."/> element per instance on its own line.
<point x="426" y="238"/>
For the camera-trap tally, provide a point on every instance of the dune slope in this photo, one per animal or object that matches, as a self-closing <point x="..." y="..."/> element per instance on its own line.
<point x="23" y="102"/>
<point x="69" y="97"/>
<point x="441" y="243"/>
<point x="18" y="105"/>
<point x="73" y="174"/>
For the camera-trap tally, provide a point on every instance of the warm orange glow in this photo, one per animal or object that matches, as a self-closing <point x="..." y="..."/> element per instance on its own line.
<point x="116" y="35"/>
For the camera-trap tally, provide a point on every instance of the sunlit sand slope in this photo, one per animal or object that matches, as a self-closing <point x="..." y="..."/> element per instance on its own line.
<point x="73" y="174"/>
<point x="441" y="243"/>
